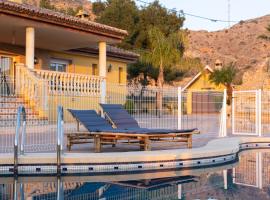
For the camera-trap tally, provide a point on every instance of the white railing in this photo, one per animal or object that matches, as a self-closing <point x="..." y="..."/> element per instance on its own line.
<point x="32" y="89"/>
<point x="70" y="83"/>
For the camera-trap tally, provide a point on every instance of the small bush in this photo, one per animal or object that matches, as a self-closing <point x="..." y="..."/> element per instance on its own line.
<point x="130" y="106"/>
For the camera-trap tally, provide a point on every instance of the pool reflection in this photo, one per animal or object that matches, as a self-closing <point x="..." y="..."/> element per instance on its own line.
<point x="248" y="179"/>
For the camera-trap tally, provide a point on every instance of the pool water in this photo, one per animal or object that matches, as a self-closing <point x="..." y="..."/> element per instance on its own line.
<point x="247" y="179"/>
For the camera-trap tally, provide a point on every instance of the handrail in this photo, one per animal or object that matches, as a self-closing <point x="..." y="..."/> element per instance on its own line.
<point x="70" y="83"/>
<point x="32" y="89"/>
<point x="43" y="72"/>
<point x="60" y="137"/>
<point x="20" y="112"/>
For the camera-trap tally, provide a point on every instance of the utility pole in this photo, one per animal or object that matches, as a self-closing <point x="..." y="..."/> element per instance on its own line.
<point x="229" y="13"/>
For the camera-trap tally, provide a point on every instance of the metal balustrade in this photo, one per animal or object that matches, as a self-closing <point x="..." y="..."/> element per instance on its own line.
<point x="141" y="103"/>
<point x="60" y="137"/>
<point x="21" y="116"/>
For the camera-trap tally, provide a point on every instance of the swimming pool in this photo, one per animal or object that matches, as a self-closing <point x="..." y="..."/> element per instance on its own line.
<point x="249" y="178"/>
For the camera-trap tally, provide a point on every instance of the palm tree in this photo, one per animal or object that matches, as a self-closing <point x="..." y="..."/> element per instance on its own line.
<point x="164" y="52"/>
<point x="225" y="76"/>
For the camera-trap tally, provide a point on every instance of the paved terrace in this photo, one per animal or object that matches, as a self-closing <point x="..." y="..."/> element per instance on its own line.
<point x="43" y="138"/>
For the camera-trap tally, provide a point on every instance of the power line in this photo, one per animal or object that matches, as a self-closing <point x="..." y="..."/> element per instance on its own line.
<point x="229" y="13"/>
<point x="181" y="12"/>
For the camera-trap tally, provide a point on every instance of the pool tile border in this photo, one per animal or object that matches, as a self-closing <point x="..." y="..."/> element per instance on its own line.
<point x="194" y="161"/>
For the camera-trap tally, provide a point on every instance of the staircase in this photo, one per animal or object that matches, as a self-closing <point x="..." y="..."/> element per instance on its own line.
<point x="8" y="112"/>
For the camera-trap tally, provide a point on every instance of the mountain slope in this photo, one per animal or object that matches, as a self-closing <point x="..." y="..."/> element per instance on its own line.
<point x="65" y="4"/>
<point x="239" y="44"/>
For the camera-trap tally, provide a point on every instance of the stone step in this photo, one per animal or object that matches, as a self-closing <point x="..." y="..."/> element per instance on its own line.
<point x="11" y="104"/>
<point x="12" y="123"/>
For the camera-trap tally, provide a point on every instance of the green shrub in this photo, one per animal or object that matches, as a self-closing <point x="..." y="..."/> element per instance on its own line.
<point x="130" y="106"/>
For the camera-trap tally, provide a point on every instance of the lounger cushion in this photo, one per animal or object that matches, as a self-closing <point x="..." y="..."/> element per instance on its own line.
<point x="121" y="118"/>
<point x="95" y="123"/>
<point x="91" y="120"/>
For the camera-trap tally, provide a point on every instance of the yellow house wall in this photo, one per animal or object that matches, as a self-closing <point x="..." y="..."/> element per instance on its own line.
<point x="79" y="64"/>
<point x="71" y="102"/>
<point x="83" y="65"/>
<point x="203" y="83"/>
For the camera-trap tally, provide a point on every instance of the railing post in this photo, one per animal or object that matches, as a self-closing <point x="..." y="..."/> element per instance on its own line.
<point x="259" y="112"/>
<point x="259" y="170"/>
<point x="233" y="113"/>
<point x="225" y="113"/>
<point x="15" y="188"/>
<point x="23" y="132"/>
<point x="21" y="191"/>
<point x="60" y="190"/>
<point x="225" y="179"/>
<point x="59" y="138"/>
<point x="223" y="116"/>
<point x="16" y="140"/>
<point x="103" y="91"/>
<point x="21" y="111"/>
<point x="179" y="108"/>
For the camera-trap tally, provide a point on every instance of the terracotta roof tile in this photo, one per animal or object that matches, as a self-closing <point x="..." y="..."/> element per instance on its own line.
<point x="49" y="16"/>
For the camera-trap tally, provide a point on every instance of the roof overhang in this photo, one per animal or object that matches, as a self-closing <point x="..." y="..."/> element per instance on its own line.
<point x="53" y="30"/>
<point x="112" y="52"/>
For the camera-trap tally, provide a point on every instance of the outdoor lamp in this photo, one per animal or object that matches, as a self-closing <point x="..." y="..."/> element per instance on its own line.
<point x="35" y="60"/>
<point x="110" y="68"/>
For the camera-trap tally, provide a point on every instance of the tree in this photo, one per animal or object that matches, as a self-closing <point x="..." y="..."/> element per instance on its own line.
<point x="126" y="15"/>
<point x="158" y="16"/>
<point x="121" y="14"/>
<point x="71" y="11"/>
<point x="98" y="7"/>
<point x="164" y="52"/>
<point x="225" y="76"/>
<point x="142" y="71"/>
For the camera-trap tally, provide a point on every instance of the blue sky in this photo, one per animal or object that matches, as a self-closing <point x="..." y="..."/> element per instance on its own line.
<point x="217" y="9"/>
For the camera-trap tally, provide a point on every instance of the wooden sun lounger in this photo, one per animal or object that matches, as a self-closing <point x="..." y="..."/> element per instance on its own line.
<point x="144" y="140"/>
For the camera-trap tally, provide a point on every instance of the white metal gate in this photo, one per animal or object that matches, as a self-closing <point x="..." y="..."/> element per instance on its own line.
<point x="246" y="112"/>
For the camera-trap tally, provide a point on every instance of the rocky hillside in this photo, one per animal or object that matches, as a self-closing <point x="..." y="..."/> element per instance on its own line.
<point x="239" y="44"/>
<point x="65" y="4"/>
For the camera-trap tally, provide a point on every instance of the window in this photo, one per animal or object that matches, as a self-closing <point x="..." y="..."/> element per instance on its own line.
<point x="58" y="65"/>
<point x="94" y="70"/>
<point x="5" y="64"/>
<point x="121" y="75"/>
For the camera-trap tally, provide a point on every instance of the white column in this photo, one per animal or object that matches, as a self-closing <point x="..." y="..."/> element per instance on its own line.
<point x="103" y="69"/>
<point x="30" y="47"/>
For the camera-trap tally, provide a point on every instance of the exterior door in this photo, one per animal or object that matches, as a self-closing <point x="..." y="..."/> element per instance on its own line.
<point x="5" y="70"/>
<point x="205" y="102"/>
